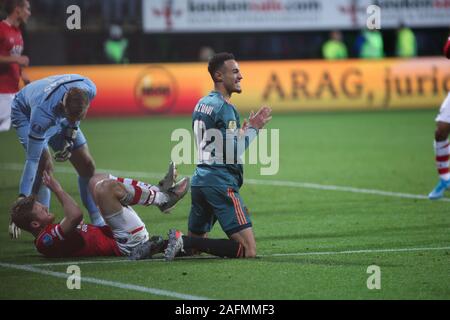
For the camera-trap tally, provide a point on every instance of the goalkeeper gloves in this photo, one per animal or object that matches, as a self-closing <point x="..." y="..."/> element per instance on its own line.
<point x="66" y="152"/>
<point x="14" y="231"/>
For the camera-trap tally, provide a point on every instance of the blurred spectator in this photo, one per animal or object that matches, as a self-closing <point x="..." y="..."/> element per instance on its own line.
<point x="406" y="45"/>
<point x="114" y="11"/>
<point x="116" y="45"/>
<point x="205" y="53"/>
<point x="12" y="61"/>
<point x="370" y="45"/>
<point x="274" y="47"/>
<point x="334" y="48"/>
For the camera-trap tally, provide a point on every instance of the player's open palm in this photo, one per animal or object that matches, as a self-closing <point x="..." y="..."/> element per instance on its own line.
<point x="51" y="182"/>
<point x="261" y="117"/>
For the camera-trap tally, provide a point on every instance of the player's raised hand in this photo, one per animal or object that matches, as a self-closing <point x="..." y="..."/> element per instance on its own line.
<point x="261" y="117"/>
<point x="244" y="127"/>
<point x="50" y="182"/>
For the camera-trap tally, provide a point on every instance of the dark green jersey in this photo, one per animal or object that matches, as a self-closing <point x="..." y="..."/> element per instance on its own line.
<point x="215" y="123"/>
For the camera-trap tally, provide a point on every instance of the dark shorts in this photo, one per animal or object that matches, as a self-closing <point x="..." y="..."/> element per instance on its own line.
<point x="223" y="204"/>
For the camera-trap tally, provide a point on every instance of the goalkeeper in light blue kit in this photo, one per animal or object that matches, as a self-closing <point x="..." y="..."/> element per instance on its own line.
<point x="48" y="112"/>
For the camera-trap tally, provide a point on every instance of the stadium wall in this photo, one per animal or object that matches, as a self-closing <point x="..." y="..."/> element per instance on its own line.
<point x="295" y="85"/>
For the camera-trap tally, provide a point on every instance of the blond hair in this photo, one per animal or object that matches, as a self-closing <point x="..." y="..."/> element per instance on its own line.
<point x="76" y="101"/>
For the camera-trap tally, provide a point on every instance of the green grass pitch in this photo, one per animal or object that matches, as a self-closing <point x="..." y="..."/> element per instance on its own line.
<point x="312" y="243"/>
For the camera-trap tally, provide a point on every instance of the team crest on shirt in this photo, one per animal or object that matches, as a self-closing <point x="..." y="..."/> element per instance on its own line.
<point x="47" y="240"/>
<point x="232" y="125"/>
<point x="37" y="128"/>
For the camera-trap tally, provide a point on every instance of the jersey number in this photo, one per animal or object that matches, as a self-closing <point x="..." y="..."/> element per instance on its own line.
<point x="201" y="141"/>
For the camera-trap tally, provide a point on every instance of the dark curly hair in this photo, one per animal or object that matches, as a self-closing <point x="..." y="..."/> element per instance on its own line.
<point x="216" y="62"/>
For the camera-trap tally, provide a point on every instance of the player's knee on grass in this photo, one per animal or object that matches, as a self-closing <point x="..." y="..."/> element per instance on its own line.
<point x="250" y="251"/>
<point x="246" y="239"/>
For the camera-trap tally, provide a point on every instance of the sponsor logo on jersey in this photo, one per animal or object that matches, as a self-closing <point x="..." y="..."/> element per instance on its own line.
<point x="47" y="240"/>
<point x="156" y="90"/>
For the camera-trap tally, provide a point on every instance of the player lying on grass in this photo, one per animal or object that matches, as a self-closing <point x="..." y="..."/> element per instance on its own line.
<point x="441" y="143"/>
<point x="114" y="197"/>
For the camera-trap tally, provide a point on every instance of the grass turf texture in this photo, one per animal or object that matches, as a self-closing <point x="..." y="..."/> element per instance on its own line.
<point x="389" y="151"/>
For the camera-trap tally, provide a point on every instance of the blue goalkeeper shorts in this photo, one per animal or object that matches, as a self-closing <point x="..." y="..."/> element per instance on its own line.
<point x="223" y="204"/>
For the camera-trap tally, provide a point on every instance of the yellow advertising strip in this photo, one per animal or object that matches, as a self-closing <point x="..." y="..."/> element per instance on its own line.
<point x="350" y="84"/>
<point x="295" y="85"/>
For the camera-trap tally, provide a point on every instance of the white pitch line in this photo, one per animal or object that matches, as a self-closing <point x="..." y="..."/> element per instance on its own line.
<point x="119" y="260"/>
<point x="316" y="253"/>
<point x="357" y="251"/>
<point x="307" y="185"/>
<point x="280" y="183"/>
<point x="107" y="283"/>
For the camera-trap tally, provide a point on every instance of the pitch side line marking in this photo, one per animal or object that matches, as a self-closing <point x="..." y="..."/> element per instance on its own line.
<point x="280" y="183"/>
<point x="358" y="251"/>
<point x="317" y="253"/>
<point x="107" y="283"/>
<point x="118" y="260"/>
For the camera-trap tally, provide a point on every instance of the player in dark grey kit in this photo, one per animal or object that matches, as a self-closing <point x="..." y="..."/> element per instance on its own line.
<point x="221" y="140"/>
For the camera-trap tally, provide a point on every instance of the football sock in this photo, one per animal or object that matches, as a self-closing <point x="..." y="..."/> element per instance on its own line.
<point x="135" y="183"/>
<point x="442" y="152"/>
<point x="217" y="247"/>
<point x="141" y="195"/>
<point x="88" y="202"/>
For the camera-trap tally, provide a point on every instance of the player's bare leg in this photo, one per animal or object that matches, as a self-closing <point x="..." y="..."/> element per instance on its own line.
<point x="84" y="164"/>
<point x="132" y="194"/>
<point x="442" y="131"/>
<point x="144" y="193"/>
<point x="107" y="195"/>
<point x="112" y="195"/>
<point x="442" y="153"/>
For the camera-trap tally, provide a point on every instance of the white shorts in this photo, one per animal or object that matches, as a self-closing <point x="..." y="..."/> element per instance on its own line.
<point x="5" y="110"/>
<point x="128" y="229"/>
<point x="444" y="112"/>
